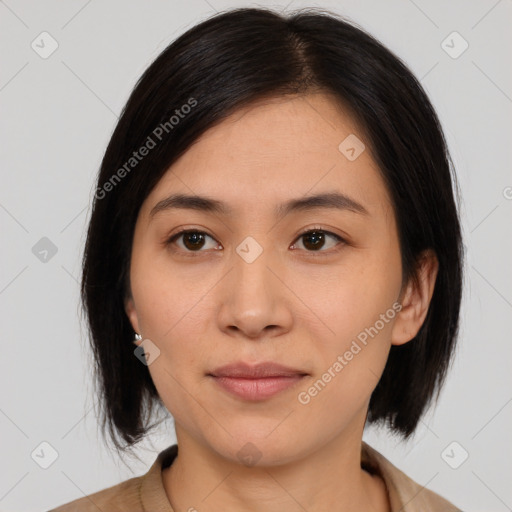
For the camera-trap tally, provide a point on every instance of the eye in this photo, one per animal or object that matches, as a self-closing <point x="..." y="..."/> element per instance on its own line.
<point x="315" y="240"/>
<point x="193" y="240"/>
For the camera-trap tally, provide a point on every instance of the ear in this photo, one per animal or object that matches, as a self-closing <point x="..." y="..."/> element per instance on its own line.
<point x="129" y="307"/>
<point x="416" y="300"/>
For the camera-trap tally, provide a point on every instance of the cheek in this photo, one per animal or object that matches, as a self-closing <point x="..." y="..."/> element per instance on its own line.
<point x="357" y="307"/>
<point x="172" y="312"/>
<point x="167" y="297"/>
<point x="353" y="297"/>
<point x="349" y="366"/>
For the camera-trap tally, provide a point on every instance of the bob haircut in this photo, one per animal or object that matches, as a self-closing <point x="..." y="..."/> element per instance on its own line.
<point x="227" y="62"/>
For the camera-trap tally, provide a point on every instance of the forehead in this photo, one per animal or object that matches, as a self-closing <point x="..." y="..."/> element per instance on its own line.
<point x="275" y="149"/>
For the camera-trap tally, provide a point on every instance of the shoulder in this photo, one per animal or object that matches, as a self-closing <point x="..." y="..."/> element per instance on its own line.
<point x="118" y="498"/>
<point x="404" y="493"/>
<point x="145" y="492"/>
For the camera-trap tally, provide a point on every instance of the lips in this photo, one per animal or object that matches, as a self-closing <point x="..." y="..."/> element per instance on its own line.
<point x="258" y="371"/>
<point x="256" y="382"/>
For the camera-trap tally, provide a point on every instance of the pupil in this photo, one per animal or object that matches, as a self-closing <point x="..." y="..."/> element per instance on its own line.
<point x="317" y="237"/>
<point x="197" y="240"/>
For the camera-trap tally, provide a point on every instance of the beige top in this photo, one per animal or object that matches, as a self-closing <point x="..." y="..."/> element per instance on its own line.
<point x="146" y="493"/>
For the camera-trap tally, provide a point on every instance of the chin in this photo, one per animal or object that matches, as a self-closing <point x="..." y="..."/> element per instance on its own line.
<point x="256" y="450"/>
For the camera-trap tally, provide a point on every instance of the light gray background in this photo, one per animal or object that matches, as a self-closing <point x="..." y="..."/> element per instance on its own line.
<point x="57" y="116"/>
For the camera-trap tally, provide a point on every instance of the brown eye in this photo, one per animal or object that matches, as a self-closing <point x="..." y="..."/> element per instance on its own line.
<point x="315" y="240"/>
<point x="192" y="241"/>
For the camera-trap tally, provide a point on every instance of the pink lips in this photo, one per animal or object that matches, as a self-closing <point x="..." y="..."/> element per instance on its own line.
<point x="256" y="382"/>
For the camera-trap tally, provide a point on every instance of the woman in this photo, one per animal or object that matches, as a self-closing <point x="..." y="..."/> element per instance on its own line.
<point x="274" y="223"/>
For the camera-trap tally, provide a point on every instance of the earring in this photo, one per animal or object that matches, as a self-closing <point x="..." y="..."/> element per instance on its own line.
<point x="138" y="337"/>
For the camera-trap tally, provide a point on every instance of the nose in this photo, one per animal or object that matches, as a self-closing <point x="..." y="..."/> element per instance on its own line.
<point x="254" y="301"/>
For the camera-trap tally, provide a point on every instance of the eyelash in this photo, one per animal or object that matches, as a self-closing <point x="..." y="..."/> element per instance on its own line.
<point x="175" y="236"/>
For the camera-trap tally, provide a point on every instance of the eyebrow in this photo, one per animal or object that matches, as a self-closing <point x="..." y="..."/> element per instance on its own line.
<point x="334" y="200"/>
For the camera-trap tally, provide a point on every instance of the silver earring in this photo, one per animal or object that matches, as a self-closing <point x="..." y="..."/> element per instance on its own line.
<point x="138" y="337"/>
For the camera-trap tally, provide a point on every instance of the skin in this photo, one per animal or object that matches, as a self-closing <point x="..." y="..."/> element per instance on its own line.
<point x="293" y="305"/>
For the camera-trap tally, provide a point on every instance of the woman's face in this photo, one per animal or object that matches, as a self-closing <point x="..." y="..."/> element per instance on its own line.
<point x="250" y="288"/>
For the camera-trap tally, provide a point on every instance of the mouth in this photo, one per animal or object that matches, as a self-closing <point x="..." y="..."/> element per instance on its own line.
<point x="256" y="382"/>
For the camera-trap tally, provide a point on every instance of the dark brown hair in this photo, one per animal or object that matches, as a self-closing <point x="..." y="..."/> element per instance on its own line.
<point x="216" y="67"/>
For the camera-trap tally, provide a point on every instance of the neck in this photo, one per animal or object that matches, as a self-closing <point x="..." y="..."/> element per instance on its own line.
<point x="330" y="478"/>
